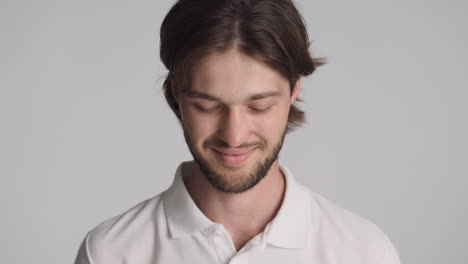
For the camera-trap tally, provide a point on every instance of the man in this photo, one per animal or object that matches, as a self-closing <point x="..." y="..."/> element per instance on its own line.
<point x="235" y="68"/>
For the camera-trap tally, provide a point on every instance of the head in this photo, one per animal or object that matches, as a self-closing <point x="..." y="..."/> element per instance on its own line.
<point x="234" y="77"/>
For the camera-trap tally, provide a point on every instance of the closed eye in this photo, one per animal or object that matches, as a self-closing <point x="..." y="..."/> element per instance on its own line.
<point x="259" y="110"/>
<point x="207" y="109"/>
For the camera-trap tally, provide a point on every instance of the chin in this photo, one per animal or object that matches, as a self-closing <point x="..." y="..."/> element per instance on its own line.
<point x="233" y="174"/>
<point x="234" y="179"/>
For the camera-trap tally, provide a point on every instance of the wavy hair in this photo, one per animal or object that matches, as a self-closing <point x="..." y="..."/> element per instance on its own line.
<point x="270" y="31"/>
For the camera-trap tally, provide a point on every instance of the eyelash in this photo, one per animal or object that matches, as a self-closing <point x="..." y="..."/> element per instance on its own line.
<point x="260" y="110"/>
<point x="206" y="110"/>
<point x="252" y="109"/>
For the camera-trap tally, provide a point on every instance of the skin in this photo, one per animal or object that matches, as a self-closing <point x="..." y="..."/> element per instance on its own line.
<point x="234" y="115"/>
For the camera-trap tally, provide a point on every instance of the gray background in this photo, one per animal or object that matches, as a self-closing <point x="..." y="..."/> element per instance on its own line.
<point x="86" y="134"/>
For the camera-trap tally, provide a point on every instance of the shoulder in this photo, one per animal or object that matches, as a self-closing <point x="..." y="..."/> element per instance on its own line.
<point x="344" y="222"/>
<point x="115" y="237"/>
<point x="141" y="212"/>
<point x="343" y="230"/>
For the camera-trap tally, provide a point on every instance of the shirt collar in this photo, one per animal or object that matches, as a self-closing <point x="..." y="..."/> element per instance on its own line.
<point x="183" y="215"/>
<point x="289" y="228"/>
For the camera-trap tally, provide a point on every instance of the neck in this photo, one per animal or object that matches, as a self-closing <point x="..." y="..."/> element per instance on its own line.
<point x="244" y="215"/>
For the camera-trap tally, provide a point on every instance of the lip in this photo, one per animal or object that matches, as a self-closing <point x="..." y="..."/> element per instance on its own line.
<point x="233" y="157"/>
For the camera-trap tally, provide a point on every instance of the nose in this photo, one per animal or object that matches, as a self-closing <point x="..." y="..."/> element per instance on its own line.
<point x="234" y="128"/>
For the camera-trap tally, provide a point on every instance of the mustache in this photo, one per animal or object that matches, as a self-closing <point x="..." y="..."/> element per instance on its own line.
<point x="219" y="143"/>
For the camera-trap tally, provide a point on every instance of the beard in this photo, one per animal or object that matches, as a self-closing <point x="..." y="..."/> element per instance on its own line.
<point x="228" y="183"/>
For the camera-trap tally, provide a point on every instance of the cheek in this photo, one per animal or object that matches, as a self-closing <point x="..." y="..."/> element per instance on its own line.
<point x="198" y="127"/>
<point x="273" y="124"/>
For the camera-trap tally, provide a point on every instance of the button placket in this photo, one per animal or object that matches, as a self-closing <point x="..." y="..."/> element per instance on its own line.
<point x="221" y="243"/>
<point x="240" y="258"/>
<point x="217" y="233"/>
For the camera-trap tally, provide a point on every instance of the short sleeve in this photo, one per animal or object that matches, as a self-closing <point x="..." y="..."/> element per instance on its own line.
<point x="391" y="254"/>
<point x="83" y="256"/>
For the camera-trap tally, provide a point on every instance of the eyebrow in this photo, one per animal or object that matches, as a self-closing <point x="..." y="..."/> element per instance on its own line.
<point x="260" y="96"/>
<point x="205" y="96"/>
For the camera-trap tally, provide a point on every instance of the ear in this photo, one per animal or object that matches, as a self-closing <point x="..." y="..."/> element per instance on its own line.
<point x="296" y="89"/>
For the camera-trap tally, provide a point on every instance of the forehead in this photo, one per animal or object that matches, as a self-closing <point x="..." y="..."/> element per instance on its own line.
<point x="233" y="76"/>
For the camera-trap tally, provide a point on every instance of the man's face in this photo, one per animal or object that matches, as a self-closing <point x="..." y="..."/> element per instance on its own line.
<point x="234" y="119"/>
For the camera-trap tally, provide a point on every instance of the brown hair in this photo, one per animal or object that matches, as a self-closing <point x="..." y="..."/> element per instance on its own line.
<point x="271" y="31"/>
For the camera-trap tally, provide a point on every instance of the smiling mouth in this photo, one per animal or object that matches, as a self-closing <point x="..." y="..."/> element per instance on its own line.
<point x="233" y="157"/>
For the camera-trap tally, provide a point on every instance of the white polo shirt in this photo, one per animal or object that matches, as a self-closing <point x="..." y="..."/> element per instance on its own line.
<point x="169" y="228"/>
